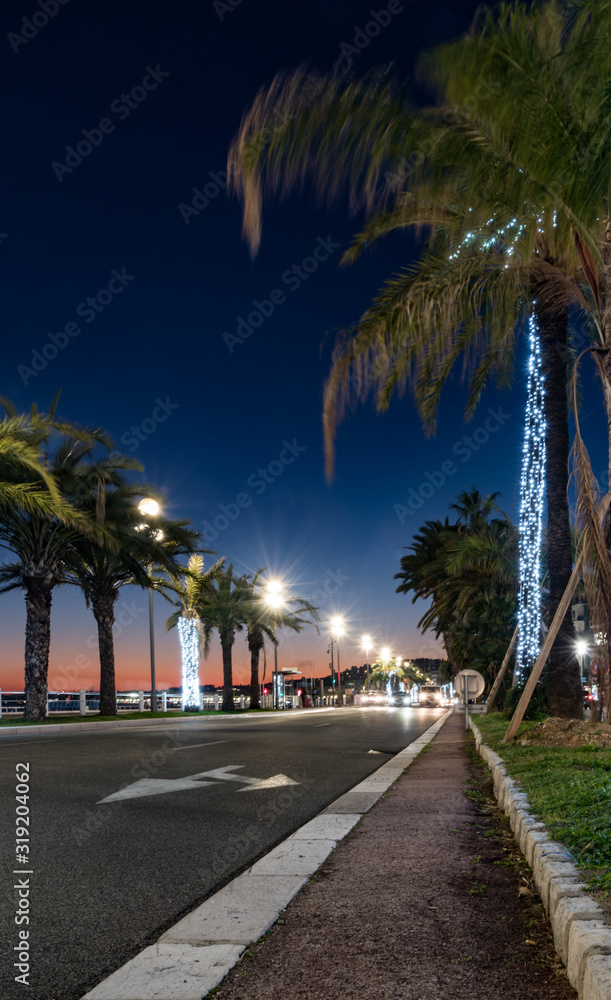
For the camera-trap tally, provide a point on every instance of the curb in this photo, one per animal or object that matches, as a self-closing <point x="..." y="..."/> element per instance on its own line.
<point x="194" y="955"/>
<point x="582" y="939"/>
<point x="93" y="726"/>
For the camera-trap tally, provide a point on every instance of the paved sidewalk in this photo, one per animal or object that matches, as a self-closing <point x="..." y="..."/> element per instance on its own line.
<point x="410" y="906"/>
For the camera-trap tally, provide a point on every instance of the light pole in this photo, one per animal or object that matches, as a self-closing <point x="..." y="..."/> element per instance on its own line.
<point x="274" y="598"/>
<point x="366" y="644"/>
<point x="150" y="508"/>
<point x="337" y="627"/>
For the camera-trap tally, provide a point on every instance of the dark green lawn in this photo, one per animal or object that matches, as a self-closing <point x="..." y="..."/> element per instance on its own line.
<point x="568" y="788"/>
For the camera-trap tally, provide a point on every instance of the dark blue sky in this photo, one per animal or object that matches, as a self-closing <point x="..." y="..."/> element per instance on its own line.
<point x="152" y="356"/>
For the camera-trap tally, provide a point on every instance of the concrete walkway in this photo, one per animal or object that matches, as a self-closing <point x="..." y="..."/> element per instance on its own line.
<point x="411" y="905"/>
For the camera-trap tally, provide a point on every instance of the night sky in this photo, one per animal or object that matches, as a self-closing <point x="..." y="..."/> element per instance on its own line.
<point x="152" y="357"/>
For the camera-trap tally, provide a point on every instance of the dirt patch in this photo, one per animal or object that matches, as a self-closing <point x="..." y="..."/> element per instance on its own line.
<point x="567" y="733"/>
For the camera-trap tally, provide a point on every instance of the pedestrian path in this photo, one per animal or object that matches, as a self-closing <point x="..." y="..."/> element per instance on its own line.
<point x="412" y="905"/>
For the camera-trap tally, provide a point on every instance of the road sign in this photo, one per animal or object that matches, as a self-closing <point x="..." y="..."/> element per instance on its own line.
<point x="474" y="681"/>
<point x="469" y="684"/>
<point x="160" y="786"/>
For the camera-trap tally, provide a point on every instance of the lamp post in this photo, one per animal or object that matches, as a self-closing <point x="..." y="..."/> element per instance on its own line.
<point x="150" y="508"/>
<point x="337" y="630"/>
<point x="582" y="648"/>
<point x="274" y="598"/>
<point x="366" y="644"/>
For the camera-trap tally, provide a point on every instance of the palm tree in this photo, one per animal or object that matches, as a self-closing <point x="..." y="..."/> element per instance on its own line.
<point x="130" y="556"/>
<point x="25" y="482"/>
<point x="464" y="176"/>
<point x="192" y="589"/>
<point x="222" y="607"/>
<point x="468" y="571"/>
<point x="263" y="621"/>
<point x="41" y="540"/>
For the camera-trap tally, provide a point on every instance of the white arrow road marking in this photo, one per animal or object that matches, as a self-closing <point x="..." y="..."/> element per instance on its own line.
<point x="252" y="784"/>
<point x="159" y="786"/>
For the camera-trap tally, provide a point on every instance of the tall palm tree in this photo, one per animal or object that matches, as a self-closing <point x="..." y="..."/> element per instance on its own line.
<point x="25" y="482"/>
<point x="454" y="170"/>
<point x="129" y="556"/>
<point x="41" y="541"/>
<point x="191" y="589"/>
<point x="264" y="622"/>
<point x="222" y="607"/>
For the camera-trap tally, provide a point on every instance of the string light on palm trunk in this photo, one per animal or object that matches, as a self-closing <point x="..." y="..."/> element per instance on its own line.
<point x="532" y="488"/>
<point x="188" y="635"/>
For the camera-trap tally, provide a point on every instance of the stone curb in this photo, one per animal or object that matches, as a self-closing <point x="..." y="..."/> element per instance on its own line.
<point x="194" y="955"/>
<point x="93" y="726"/>
<point x="581" y="937"/>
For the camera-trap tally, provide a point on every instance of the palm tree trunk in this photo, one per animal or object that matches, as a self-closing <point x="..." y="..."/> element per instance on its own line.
<point x="255" y="642"/>
<point x="37" y="642"/>
<point x="227" y="640"/>
<point x="104" y="614"/>
<point x="564" y="681"/>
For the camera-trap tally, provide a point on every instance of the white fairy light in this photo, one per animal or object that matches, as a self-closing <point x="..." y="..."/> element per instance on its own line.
<point x="188" y="635"/>
<point x="532" y="488"/>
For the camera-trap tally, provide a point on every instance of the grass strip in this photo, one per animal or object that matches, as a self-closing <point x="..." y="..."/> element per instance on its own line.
<point x="569" y="790"/>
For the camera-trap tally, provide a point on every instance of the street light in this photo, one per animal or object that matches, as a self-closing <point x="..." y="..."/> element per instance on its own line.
<point x="582" y="647"/>
<point x="337" y="630"/>
<point x="274" y="598"/>
<point x="150" y="508"/>
<point x="367" y="644"/>
<point x="385" y="654"/>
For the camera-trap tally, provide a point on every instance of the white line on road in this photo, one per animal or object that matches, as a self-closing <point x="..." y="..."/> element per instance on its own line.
<point x="321" y="724"/>
<point x="26" y="742"/>
<point x="192" y="745"/>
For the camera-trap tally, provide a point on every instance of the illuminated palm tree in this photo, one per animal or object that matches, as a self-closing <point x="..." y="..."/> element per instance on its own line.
<point x="192" y="589"/>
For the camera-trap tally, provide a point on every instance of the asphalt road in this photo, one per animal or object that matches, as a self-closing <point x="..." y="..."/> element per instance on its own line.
<point x="108" y="877"/>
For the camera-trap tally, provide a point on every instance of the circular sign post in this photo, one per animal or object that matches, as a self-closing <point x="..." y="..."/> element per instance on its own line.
<point x="469" y="684"/>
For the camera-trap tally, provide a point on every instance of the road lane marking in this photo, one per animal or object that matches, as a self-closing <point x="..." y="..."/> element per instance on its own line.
<point x="321" y="724"/>
<point x="192" y="745"/>
<point x="159" y="786"/>
<point x="27" y="742"/>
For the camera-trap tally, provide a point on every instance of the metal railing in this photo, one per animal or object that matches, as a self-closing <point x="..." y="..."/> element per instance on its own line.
<point x="12" y="703"/>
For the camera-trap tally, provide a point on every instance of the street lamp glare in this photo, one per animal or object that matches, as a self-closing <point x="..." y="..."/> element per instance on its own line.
<point x="273" y="587"/>
<point x="582" y="647"/>
<point x="337" y="626"/>
<point x="385" y="653"/>
<point x="149" y="507"/>
<point x="274" y="600"/>
<point x="273" y="594"/>
<point x="366" y="642"/>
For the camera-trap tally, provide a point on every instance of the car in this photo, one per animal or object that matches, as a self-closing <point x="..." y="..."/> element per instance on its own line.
<point x="431" y="695"/>
<point x="374" y="698"/>
<point x="398" y="698"/>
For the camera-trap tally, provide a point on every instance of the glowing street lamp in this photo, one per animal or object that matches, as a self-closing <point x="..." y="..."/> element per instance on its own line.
<point x="366" y="643"/>
<point x="385" y="654"/>
<point x="337" y="630"/>
<point x="274" y="598"/>
<point x="149" y="508"/>
<point x="582" y="647"/>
